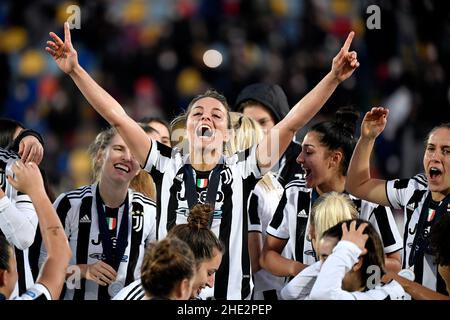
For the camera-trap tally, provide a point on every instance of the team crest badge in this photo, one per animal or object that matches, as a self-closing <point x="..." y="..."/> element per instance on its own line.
<point x="137" y="218"/>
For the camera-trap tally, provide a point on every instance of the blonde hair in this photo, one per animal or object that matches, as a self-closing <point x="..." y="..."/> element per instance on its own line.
<point x="246" y="133"/>
<point x="97" y="149"/>
<point x="330" y="209"/>
<point x="142" y="182"/>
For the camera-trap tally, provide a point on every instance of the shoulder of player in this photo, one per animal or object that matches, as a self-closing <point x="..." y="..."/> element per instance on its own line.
<point x="297" y="185"/>
<point x="142" y="199"/>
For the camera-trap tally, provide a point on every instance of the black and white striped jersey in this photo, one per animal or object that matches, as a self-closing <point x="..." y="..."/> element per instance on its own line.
<point x="409" y="195"/>
<point x="262" y="205"/>
<point x="134" y="291"/>
<point x="77" y="210"/>
<point x="291" y="222"/>
<point x="238" y="177"/>
<point x="18" y="222"/>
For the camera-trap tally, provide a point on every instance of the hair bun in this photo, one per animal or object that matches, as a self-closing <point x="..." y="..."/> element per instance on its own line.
<point x="347" y="118"/>
<point x="199" y="216"/>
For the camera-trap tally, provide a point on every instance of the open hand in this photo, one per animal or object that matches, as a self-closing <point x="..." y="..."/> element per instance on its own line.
<point x="27" y="177"/>
<point x="355" y="235"/>
<point x="63" y="52"/>
<point x="374" y="122"/>
<point x="101" y="273"/>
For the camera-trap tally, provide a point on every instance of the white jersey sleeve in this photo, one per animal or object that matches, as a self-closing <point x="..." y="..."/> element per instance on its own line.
<point x="328" y="285"/>
<point x="384" y="223"/>
<point x="248" y="162"/>
<point x="159" y="157"/>
<point x="390" y="291"/>
<point x="399" y="191"/>
<point x="279" y="225"/>
<point x="134" y="291"/>
<point x="36" y="292"/>
<point x="18" y="221"/>
<point x="262" y="205"/>
<point x="300" y="286"/>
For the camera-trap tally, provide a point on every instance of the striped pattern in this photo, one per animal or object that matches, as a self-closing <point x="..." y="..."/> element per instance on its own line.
<point x="77" y="211"/>
<point x="134" y="291"/>
<point x="230" y="224"/>
<point x="23" y="206"/>
<point x="409" y="195"/>
<point x="291" y="222"/>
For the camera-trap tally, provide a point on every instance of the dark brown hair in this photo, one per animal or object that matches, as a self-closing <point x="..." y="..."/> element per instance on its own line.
<point x="197" y="235"/>
<point x="166" y="263"/>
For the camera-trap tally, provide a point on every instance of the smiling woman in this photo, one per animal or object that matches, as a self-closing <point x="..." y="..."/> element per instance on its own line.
<point x="203" y="173"/>
<point x="425" y="198"/>
<point x="326" y="151"/>
<point x="107" y="252"/>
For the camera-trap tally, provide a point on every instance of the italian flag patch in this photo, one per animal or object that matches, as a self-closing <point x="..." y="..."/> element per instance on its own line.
<point x="202" y="183"/>
<point x="111" y="223"/>
<point x="431" y="214"/>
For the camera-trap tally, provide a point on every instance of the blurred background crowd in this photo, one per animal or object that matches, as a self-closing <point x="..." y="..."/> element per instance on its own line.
<point x="150" y="56"/>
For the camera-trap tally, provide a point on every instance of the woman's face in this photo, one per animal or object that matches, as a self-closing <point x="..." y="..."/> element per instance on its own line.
<point x="325" y="247"/>
<point x="436" y="161"/>
<point x="207" y="125"/>
<point x="315" y="160"/>
<point x="261" y="115"/>
<point x="119" y="164"/>
<point x="205" y="273"/>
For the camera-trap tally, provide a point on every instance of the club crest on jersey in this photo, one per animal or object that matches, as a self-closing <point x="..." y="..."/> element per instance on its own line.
<point x="226" y="176"/>
<point x="138" y="220"/>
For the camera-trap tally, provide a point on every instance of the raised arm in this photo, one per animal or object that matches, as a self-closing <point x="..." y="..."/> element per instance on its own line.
<point x="65" y="57"/>
<point x="28" y="179"/>
<point x="281" y="135"/>
<point x="359" y="181"/>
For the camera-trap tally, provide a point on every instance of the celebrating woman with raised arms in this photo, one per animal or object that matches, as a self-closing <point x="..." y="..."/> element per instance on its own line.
<point x="201" y="173"/>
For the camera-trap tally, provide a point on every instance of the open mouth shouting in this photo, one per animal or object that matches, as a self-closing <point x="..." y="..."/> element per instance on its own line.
<point x="204" y="131"/>
<point x="434" y="174"/>
<point x="308" y="176"/>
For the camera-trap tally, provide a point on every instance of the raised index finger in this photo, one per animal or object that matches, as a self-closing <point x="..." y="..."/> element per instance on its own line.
<point x="67" y="32"/>
<point x="348" y="41"/>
